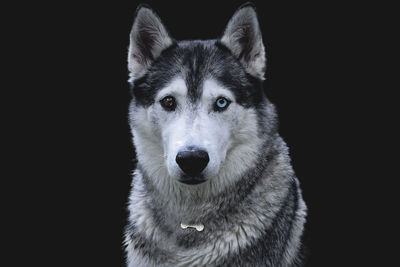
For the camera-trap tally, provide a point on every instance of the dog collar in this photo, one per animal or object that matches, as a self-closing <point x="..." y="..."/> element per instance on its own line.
<point x="199" y="227"/>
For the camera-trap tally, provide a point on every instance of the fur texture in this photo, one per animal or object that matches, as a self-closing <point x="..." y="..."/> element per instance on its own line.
<point x="250" y="203"/>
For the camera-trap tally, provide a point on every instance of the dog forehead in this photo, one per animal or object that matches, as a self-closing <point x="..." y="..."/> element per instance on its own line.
<point x="212" y="88"/>
<point x="189" y="69"/>
<point x="190" y="66"/>
<point x="176" y="87"/>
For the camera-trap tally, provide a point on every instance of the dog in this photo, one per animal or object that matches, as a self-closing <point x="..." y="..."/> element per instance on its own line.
<point x="213" y="185"/>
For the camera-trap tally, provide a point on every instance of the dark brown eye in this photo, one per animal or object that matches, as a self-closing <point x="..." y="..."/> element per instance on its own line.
<point x="168" y="103"/>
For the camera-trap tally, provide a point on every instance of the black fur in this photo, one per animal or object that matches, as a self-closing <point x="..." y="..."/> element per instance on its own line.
<point x="194" y="62"/>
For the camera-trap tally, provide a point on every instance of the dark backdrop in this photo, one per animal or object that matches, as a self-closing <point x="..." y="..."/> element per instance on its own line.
<point x="75" y="75"/>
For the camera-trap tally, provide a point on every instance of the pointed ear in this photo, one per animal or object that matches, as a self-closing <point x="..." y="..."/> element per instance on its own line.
<point x="243" y="37"/>
<point x="148" y="39"/>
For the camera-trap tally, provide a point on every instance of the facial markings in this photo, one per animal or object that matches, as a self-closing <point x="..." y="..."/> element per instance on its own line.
<point x="216" y="95"/>
<point x="196" y="124"/>
<point x="176" y="88"/>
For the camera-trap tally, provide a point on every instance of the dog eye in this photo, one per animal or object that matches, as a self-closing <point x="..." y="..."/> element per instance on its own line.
<point x="221" y="104"/>
<point x="168" y="103"/>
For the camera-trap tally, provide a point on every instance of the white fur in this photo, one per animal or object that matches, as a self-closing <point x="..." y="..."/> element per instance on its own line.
<point x="230" y="137"/>
<point x="161" y="134"/>
<point x="246" y="228"/>
<point x="232" y="140"/>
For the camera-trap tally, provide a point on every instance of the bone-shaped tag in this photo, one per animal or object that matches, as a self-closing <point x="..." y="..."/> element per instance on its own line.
<point x="199" y="227"/>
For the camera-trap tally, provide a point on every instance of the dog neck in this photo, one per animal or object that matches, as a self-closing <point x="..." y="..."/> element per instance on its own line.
<point x="180" y="203"/>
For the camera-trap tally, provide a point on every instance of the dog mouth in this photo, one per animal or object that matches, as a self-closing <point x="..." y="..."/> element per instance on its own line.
<point x="192" y="180"/>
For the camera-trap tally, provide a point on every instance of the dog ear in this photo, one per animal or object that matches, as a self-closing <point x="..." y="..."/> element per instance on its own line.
<point x="148" y="39"/>
<point x="244" y="39"/>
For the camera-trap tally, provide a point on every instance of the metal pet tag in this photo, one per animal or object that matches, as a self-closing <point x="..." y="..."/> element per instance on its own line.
<point x="199" y="227"/>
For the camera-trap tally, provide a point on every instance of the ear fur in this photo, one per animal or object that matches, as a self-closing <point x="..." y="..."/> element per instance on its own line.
<point x="244" y="39"/>
<point x="148" y="39"/>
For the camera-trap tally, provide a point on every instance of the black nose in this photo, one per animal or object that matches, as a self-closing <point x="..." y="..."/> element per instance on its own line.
<point x="192" y="161"/>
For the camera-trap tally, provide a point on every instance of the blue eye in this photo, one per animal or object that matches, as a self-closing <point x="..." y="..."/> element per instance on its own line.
<point x="221" y="104"/>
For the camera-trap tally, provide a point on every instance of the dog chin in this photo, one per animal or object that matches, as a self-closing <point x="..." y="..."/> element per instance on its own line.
<point x="192" y="180"/>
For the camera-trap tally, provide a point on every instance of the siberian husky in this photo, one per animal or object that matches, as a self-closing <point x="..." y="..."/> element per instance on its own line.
<point x="213" y="184"/>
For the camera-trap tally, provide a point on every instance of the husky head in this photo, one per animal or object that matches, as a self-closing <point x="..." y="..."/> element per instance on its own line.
<point x="195" y="112"/>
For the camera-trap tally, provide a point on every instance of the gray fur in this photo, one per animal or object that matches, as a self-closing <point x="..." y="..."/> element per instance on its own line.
<point x="148" y="38"/>
<point x="243" y="37"/>
<point x="251" y="207"/>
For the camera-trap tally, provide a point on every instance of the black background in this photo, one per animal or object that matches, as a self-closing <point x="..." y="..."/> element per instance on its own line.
<point x="78" y="156"/>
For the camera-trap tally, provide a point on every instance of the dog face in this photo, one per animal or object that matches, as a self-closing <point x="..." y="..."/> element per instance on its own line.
<point x="194" y="109"/>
